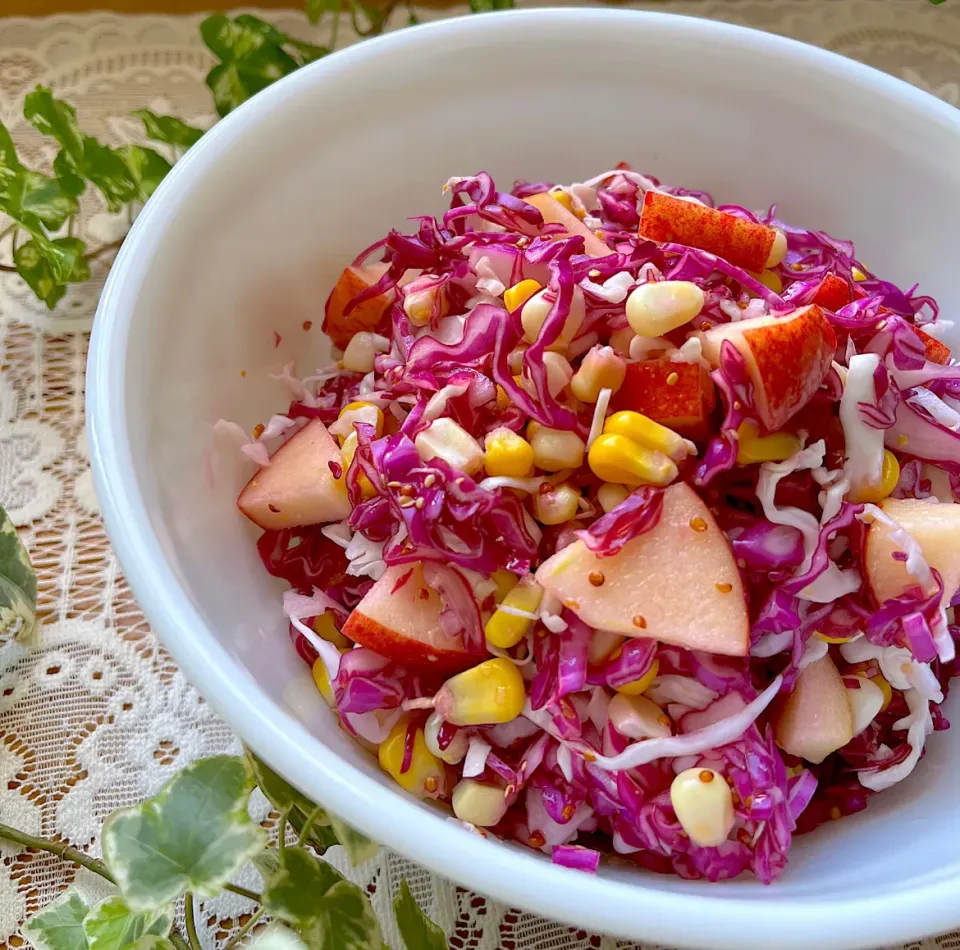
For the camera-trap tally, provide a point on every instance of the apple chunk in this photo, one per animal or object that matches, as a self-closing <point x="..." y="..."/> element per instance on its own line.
<point x="554" y="213"/>
<point x="680" y="396"/>
<point x="743" y="243"/>
<point x="936" y="351"/>
<point x="298" y="487"/>
<point x="371" y="315"/>
<point x="399" y="618"/>
<point x="787" y="358"/>
<point x="833" y="292"/>
<point x="816" y="718"/>
<point x="935" y="526"/>
<point x="677" y="583"/>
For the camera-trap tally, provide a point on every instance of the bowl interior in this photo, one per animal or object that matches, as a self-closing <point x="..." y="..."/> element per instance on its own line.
<point x="244" y="242"/>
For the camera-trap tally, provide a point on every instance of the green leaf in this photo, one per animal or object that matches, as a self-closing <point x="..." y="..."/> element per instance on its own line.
<point x="294" y="890"/>
<point x="55" y="118"/>
<point x="329" y="912"/>
<point x="112" y="925"/>
<point x="485" y="6"/>
<point x="46" y="200"/>
<point x="412" y="18"/>
<point x="18" y="584"/>
<point x="9" y="162"/>
<point x="359" y="847"/>
<point x="147" y="168"/>
<point x="419" y="932"/>
<point x="48" y="266"/>
<point x="285" y="798"/>
<point x="168" y="129"/>
<point x="106" y="169"/>
<point x="59" y="926"/>
<point x="153" y="942"/>
<point x="277" y="937"/>
<point x="345" y="921"/>
<point x="194" y="835"/>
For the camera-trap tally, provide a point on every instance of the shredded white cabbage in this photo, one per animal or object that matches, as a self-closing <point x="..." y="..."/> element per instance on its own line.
<point x="864" y="443"/>
<point x="614" y="289"/>
<point x="919" y="724"/>
<point x="671" y="688"/>
<point x="339" y="533"/>
<point x="599" y="416"/>
<point x="475" y="761"/>
<point x="365" y="557"/>
<point x="941" y="412"/>
<point x="437" y="405"/>
<point x="690" y="352"/>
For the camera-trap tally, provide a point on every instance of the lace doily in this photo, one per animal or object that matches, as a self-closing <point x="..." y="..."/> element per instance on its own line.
<point x="97" y="715"/>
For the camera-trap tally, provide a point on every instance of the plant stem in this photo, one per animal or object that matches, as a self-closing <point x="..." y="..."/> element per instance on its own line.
<point x="243" y="892"/>
<point x="282" y="833"/>
<point x="178" y="941"/>
<point x="308" y="824"/>
<point x="245" y="929"/>
<point x="189" y="919"/>
<point x="106" y="249"/>
<point x="60" y="848"/>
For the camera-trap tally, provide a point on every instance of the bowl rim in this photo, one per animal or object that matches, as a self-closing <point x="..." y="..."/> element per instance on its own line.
<point x="700" y="914"/>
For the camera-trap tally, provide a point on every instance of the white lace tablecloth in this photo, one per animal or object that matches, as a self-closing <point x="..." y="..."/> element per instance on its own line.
<point x="98" y="716"/>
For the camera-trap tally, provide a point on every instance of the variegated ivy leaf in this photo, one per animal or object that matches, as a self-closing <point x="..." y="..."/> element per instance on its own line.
<point x="419" y="932"/>
<point x="359" y="847"/>
<point x="152" y="942"/>
<point x="112" y="925"/>
<point x="328" y="911"/>
<point x="59" y="926"/>
<point x="277" y="937"/>
<point x="18" y="585"/>
<point x="194" y="835"/>
<point x="285" y="798"/>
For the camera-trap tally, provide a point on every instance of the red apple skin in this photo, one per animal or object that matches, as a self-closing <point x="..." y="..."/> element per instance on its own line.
<point x="402" y="624"/>
<point x="833" y="293"/>
<point x="815" y="719"/>
<point x="554" y="213"/>
<point x="297" y="487"/>
<point x="685" y="405"/>
<point x="936" y="351"/>
<point x="787" y="358"/>
<point x="371" y="315"/>
<point x="668" y="219"/>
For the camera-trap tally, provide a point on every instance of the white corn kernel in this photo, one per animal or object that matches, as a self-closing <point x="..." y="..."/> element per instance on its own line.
<point x="865" y="701"/>
<point x="362" y="350"/>
<point x="535" y="312"/>
<point x="556" y="449"/>
<point x="779" y="249"/>
<point x="703" y="803"/>
<point x="637" y="717"/>
<point x="424" y="299"/>
<point x="559" y="374"/>
<point x="602" y="368"/>
<point x="557" y="506"/>
<point x="602" y="645"/>
<point x="657" y="307"/>
<point x="456" y="748"/>
<point x="610" y="495"/>
<point x="620" y="340"/>
<point x="481" y="805"/>
<point x="447" y="440"/>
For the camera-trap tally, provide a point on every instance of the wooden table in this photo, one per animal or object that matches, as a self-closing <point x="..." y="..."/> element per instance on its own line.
<point x="45" y="7"/>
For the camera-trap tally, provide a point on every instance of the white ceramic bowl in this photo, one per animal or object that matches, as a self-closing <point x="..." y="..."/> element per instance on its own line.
<point x="246" y="237"/>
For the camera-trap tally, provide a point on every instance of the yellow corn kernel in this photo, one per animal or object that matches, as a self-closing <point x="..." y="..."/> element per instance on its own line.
<point x="753" y="447"/>
<point x="610" y="496"/>
<point x="535" y="311"/>
<point x="456" y="749"/>
<point x="503" y="400"/>
<point x="481" y="805"/>
<point x="615" y="458"/>
<point x="770" y="279"/>
<point x="703" y="804"/>
<point x="362" y="412"/>
<point x="858" y="275"/>
<point x="504" y="629"/>
<point x="489" y="693"/>
<point x="448" y="440"/>
<point x="505" y="582"/>
<point x="778" y="251"/>
<point x="621" y="339"/>
<point x="889" y="476"/>
<point x="864" y="669"/>
<point x="640" y="686"/>
<point x="822" y="636"/>
<point x="644" y="431"/>
<point x="347" y="452"/>
<point x="604" y="644"/>
<point x="564" y="198"/>
<point x="425" y="776"/>
<point x="602" y="368"/>
<point x="556" y="506"/>
<point x="507" y="454"/>
<point x="657" y="307"/>
<point x="326" y="627"/>
<point x="555" y="449"/>
<point x="322" y="678"/>
<point x="519" y="294"/>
